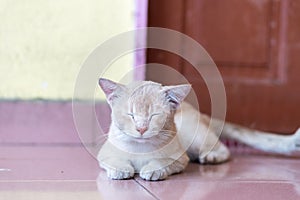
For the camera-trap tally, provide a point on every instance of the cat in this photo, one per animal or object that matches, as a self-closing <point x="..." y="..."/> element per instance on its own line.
<point x="155" y="133"/>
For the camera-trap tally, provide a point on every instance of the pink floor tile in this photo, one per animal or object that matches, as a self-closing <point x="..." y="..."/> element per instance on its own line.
<point x="223" y="190"/>
<point x="57" y="172"/>
<point x="244" y="177"/>
<point x="47" y="163"/>
<point x="64" y="190"/>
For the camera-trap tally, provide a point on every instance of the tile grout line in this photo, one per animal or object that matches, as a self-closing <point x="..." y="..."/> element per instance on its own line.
<point x="40" y="180"/>
<point x="146" y="189"/>
<point x="42" y="144"/>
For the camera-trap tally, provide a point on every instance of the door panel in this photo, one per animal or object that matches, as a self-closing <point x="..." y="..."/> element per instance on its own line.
<point x="241" y="36"/>
<point x="256" y="46"/>
<point x="167" y="15"/>
<point x="225" y="28"/>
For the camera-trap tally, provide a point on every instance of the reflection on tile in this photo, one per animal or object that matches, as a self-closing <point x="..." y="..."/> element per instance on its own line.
<point x="120" y="189"/>
<point x="48" y="190"/>
<point x="222" y="190"/>
<point x="72" y="190"/>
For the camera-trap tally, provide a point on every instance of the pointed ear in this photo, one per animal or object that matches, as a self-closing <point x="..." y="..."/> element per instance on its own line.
<point x="176" y="94"/>
<point x="110" y="88"/>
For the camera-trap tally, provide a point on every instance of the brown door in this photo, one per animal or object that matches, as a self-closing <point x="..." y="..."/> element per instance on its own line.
<point x="256" y="46"/>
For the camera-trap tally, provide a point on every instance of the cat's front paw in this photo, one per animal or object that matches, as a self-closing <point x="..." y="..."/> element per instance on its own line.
<point x="150" y="174"/>
<point x="120" y="173"/>
<point x="118" y="168"/>
<point x="294" y="143"/>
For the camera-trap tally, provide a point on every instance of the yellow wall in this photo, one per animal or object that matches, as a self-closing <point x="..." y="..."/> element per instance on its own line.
<point x="44" y="42"/>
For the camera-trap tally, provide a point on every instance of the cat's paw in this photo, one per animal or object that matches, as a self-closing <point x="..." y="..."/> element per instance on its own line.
<point x="120" y="173"/>
<point x="296" y="142"/>
<point x="215" y="156"/>
<point x="117" y="168"/>
<point x="149" y="174"/>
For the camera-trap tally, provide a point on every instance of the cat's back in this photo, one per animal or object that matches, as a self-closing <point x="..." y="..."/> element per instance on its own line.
<point x="189" y="121"/>
<point x="186" y="110"/>
<point x="186" y="116"/>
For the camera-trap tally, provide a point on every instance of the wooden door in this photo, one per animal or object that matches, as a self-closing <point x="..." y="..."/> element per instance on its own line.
<point x="256" y="46"/>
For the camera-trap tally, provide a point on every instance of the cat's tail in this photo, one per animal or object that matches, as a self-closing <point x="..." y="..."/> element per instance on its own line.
<point x="265" y="141"/>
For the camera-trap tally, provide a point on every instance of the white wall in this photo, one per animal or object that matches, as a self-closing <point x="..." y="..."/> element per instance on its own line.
<point x="44" y="42"/>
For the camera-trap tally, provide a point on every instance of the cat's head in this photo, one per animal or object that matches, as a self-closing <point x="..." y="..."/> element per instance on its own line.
<point x="142" y="110"/>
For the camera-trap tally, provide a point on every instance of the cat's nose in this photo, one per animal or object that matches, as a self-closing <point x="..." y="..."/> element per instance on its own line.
<point x="142" y="130"/>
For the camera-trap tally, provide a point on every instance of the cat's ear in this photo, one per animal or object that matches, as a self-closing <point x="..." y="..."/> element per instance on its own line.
<point x="110" y="88"/>
<point x="176" y="94"/>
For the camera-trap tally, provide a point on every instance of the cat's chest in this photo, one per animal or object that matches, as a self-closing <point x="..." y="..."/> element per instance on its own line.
<point x="139" y="159"/>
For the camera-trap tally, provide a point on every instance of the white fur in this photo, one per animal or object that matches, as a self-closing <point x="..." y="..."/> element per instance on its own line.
<point x="173" y="133"/>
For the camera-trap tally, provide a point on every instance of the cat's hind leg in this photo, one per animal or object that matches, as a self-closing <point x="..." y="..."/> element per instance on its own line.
<point x="206" y="148"/>
<point x="198" y="138"/>
<point x="214" y="155"/>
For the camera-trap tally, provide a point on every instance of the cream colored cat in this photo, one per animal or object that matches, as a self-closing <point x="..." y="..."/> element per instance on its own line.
<point x="154" y="133"/>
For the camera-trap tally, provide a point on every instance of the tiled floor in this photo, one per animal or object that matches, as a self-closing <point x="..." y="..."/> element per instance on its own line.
<point x="71" y="173"/>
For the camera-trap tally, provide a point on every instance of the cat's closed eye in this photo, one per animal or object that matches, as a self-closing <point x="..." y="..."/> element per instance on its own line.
<point x="154" y="114"/>
<point x="131" y="115"/>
